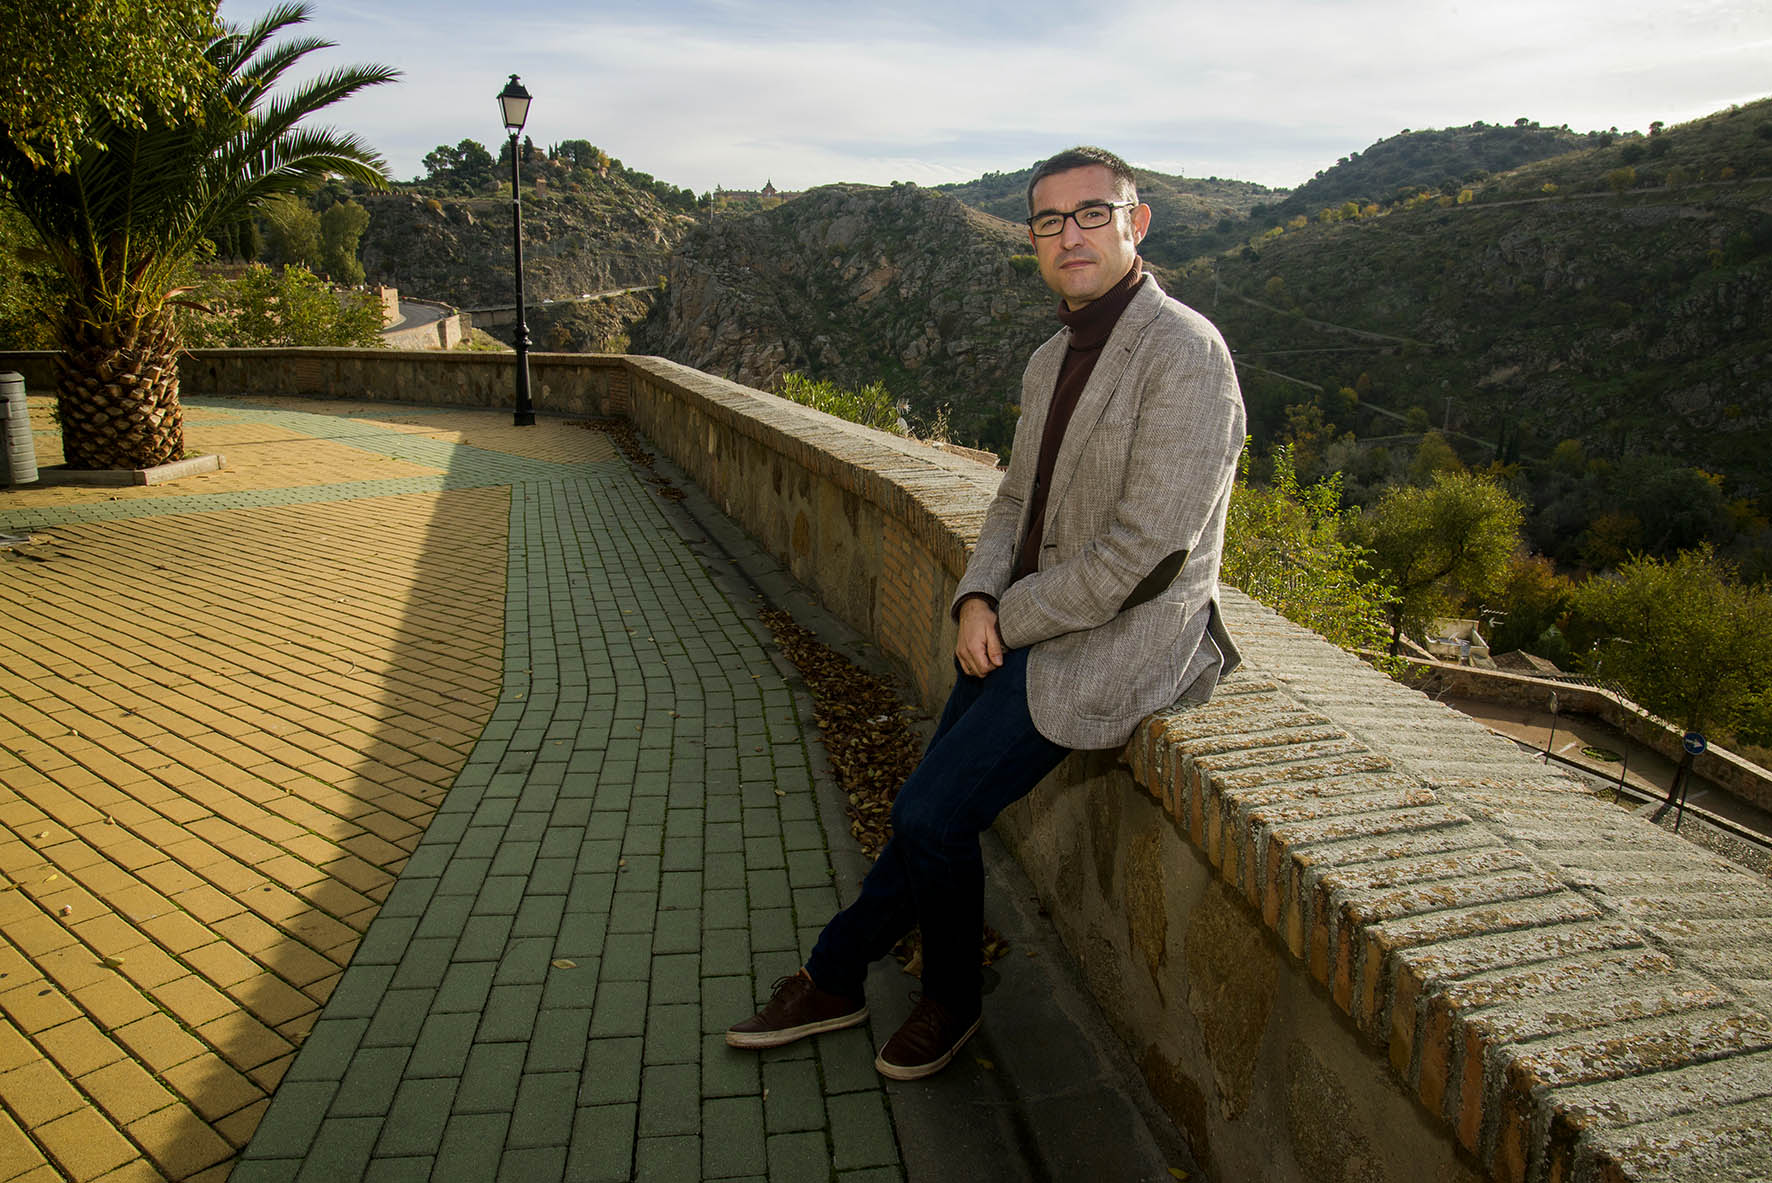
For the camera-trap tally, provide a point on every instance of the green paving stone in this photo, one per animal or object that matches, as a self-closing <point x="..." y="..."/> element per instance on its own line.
<point x="726" y="951"/>
<point x="464" y="876"/>
<point x="591" y="891"/>
<point x="648" y="813"/>
<point x="544" y="1112"/>
<point x="816" y="903"/>
<point x="359" y="992"/>
<point x="793" y="1157"/>
<point x="533" y="1164"/>
<point x="620" y="1010"/>
<point x="551" y="876"/>
<point x="723" y="871"/>
<point x="764" y="852"/>
<point x="808" y="868"/>
<point x="677" y="931"/>
<point x="638" y="872"/>
<point x="509" y="1014"/>
<point x="500" y="896"/>
<point x="673" y="1033"/>
<point x="603" y="1144"/>
<point x="408" y="897"/>
<point x="726" y="1071"/>
<point x="681" y="822"/>
<point x="680" y="889"/>
<point x="721" y="837"/>
<point x="847" y="1060"/>
<point x="559" y="1041"/>
<point x="872" y="1175"/>
<point x="446" y="917"/>
<point x="415" y="1123"/>
<point x="489" y="1082"/>
<point x="681" y="854"/>
<point x="423" y="966"/>
<point x="676" y="978"/>
<point x="562" y="839"/>
<point x="386" y="942"/>
<point x="464" y="987"/>
<point x="472" y="1146"/>
<point x="803" y="835"/>
<point x="328" y="1049"/>
<point x="399" y="1170"/>
<point x="642" y="839"/>
<point x="725" y="1001"/>
<point x="627" y="957"/>
<point x="762" y="820"/>
<point x="598" y="855"/>
<point x="398" y="1019"/>
<point x="368" y="1086"/>
<point x="724" y="908"/>
<point x="861" y="1135"/>
<point x="570" y="817"/>
<point x="525" y="962"/>
<point x="265" y="1170"/>
<point x="482" y="939"/>
<point x="723" y="809"/>
<point x="773" y="928"/>
<point x="483" y="837"/>
<point x="529" y="826"/>
<point x="732" y="1137"/>
<point x="632" y="911"/>
<point x="752" y="766"/>
<point x="293" y="1119"/>
<point x="570" y="987"/>
<point x="798" y="807"/>
<point x="793" y="1098"/>
<point x="667" y="1160"/>
<point x="670" y="1099"/>
<point x="515" y="858"/>
<point x="443" y="1043"/>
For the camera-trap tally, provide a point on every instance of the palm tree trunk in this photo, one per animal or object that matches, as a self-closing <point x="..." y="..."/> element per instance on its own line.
<point x="117" y="392"/>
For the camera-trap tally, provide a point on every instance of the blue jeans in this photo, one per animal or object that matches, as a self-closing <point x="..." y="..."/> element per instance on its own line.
<point x="986" y="755"/>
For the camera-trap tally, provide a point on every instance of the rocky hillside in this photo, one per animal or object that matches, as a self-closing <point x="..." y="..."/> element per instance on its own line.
<point x="858" y="284"/>
<point x="1619" y="297"/>
<point x="458" y="249"/>
<point x="1189" y="215"/>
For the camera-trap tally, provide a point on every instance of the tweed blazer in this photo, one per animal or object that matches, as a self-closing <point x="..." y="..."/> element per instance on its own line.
<point x="1121" y="612"/>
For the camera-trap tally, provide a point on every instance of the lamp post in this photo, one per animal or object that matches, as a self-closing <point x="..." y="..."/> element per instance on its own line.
<point x="513" y="101"/>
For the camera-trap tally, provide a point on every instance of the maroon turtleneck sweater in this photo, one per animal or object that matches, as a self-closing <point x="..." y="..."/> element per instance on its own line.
<point x="1090" y="327"/>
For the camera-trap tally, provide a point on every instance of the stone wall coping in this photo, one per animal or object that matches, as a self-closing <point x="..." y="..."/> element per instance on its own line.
<point x="1579" y="994"/>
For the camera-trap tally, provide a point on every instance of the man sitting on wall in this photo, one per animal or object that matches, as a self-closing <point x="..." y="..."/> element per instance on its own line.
<point x="1089" y="602"/>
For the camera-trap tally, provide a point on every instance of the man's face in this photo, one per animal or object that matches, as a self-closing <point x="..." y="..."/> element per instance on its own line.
<point x="1082" y="265"/>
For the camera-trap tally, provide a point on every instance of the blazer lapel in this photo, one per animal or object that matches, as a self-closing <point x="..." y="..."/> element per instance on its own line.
<point x="1116" y="354"/>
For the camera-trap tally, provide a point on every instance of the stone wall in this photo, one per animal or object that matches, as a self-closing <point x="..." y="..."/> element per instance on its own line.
<point x="1348" y="934"/>
<point x="1743" y="778"/>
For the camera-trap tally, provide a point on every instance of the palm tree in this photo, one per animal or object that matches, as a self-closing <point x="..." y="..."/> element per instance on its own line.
<point x="128" y="217"/>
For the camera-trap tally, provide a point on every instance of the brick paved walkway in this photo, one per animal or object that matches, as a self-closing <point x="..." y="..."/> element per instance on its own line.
<point x="442" y="701"/>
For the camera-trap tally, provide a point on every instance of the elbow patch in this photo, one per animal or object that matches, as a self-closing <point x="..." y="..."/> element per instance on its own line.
<point x="1153" y="585"/>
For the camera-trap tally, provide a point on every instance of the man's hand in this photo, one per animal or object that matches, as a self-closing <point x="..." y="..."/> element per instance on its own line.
<point x="980" y="646"/>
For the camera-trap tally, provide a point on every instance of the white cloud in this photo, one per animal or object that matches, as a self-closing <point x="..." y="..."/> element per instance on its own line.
<point x="733" y="92"/>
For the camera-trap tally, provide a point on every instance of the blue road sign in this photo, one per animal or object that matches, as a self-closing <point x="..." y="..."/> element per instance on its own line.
<point x="1694" y="743"/>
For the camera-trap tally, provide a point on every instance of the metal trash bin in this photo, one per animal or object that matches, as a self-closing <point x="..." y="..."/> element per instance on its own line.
<point x="18" y="451"/>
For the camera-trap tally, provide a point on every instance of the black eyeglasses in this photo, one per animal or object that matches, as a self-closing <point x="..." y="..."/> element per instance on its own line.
<point x="1093" y="216"/>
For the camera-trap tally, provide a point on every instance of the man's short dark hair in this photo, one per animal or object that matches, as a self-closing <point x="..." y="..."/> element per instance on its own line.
<point x="1082" y="156"/>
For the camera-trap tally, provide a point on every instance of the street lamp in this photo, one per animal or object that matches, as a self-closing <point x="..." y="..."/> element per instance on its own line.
<point x="513" y="102"/>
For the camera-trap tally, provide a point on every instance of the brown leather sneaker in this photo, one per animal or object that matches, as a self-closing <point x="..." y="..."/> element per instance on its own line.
<point x="796" y="1009"/>
<point x="926" y="1042"/>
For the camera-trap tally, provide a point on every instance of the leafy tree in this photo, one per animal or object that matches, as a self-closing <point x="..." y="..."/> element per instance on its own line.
<point x="124" y="223"/>
<point x="1433" y="456"/>
<point x="62" y="100"/>
<point x="341" y="229"/>
<point x="465" y="168"/>
<point x="871" y="406"/>
<point x="1535" y="599"/>
<point x="287" y="306"/>
<point x="1286" y="546"/>
<point x="29" y="287"/>
<point x="1683" y="636"/>
<point x="1440" y="546"/>
<point x="293" y="237"/>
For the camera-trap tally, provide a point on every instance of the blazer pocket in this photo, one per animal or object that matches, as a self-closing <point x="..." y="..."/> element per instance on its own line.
<point x="1119" y="662"/>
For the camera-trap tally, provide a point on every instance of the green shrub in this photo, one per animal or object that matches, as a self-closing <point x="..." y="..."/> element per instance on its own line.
<point x="871" y="406"/>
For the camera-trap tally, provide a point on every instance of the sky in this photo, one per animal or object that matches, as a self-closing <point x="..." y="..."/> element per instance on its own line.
<point x="733" y="93"/>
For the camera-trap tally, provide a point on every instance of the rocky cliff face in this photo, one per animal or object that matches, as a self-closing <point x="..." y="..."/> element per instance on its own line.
<point x="857" y="284"/>
<point x="458" y="249"/>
